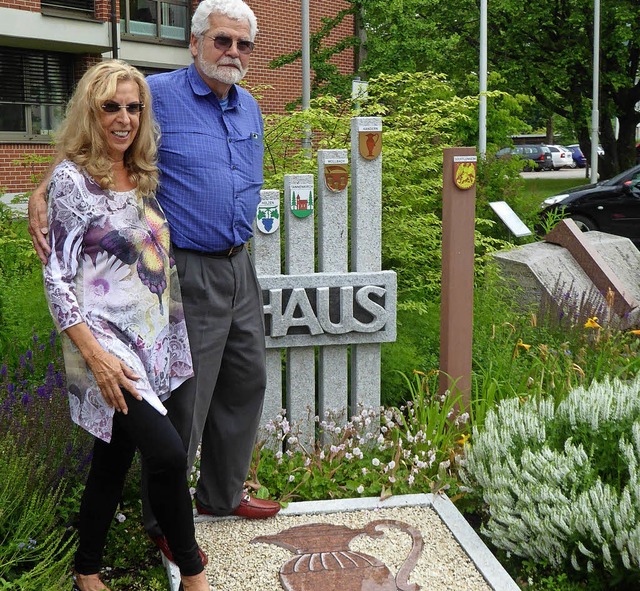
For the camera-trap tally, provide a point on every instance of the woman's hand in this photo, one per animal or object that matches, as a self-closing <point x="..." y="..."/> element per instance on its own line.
<point x="111" y="376"/>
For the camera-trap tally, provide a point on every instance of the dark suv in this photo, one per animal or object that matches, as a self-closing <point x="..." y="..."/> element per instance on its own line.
<point x="539" y="155"/>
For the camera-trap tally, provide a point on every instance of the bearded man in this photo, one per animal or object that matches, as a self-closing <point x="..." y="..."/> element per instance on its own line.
<point x="210" y="160"/>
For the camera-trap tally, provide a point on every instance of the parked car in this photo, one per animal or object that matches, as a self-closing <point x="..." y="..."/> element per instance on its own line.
<point x="540" y="156"/>
<point x="611" y="206"/>
<point x="561" y="156"/>
<point x="578" y="156"/>
<point x="599" y="149"/>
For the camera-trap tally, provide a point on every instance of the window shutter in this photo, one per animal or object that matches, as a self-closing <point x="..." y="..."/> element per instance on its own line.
<point x="35" y="76"/>
<point x="87" y="5"/>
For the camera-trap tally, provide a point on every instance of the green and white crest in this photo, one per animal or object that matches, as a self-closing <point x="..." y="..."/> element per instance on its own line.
<point x="302" y="201"/>
<point x="268" y="216"/>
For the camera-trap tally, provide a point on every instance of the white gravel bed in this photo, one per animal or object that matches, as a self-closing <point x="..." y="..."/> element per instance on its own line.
<point x="235" y="564"/>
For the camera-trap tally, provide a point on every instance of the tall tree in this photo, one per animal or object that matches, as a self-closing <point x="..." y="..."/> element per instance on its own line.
<point x="540" y="48"/>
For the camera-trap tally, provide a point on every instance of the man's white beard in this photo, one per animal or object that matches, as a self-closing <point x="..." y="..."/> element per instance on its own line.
<point x="223" y="74"/>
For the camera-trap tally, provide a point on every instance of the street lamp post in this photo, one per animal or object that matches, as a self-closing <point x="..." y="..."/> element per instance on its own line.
<point x="482" y="114"/>
<point x="595" y="116"/>
<point x="306" y="71"/>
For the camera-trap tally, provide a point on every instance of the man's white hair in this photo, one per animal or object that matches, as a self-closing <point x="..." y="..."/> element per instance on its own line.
<point x="233" y="9"/>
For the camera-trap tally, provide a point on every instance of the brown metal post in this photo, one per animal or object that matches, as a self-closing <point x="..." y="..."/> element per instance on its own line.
<point x="456" y="308"/>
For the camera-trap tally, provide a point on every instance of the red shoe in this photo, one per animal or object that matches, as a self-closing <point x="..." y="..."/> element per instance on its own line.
<point x="163" y="545"/>
<point x="249" y="508"/>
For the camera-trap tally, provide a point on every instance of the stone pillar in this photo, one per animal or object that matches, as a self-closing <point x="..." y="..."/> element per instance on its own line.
<point x="300" y="259"/>
<point x="266" y="258"/>
<point x="366" y="239"/>
<point x="332" y="258"/>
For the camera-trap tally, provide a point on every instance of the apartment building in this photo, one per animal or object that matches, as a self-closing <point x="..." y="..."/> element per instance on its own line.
<point x="46" y="45"/>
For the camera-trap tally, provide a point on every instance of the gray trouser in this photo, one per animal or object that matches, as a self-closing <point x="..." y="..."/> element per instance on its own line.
<point x="222" y="404"/>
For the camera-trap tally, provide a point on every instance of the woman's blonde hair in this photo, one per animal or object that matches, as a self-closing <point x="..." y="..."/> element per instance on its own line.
<point x="82" y="140"/>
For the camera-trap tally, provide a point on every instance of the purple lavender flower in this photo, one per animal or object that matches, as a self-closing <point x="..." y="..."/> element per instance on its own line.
<point x="6" y="407"/>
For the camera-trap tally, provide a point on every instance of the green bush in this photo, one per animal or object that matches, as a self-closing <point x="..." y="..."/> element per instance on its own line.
<point x="416" y="347"/>
<point x="16" y="253"/>
<point x="561" y="481"/>
<point x="23" y="308"/>
<point x="35" y="548"/>
<point x="421" y="116"/>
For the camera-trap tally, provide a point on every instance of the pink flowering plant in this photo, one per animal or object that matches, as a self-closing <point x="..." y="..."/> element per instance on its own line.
<point x="377" y="452"/>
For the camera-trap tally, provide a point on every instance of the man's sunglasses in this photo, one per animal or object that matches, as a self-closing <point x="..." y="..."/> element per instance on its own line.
<point x="132" y="108"/>
<point x="224" y="43"/>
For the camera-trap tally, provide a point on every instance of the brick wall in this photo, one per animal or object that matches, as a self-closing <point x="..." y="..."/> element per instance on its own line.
<point x="103" y="10"/>
<point x="32" y="5"/>
<point x="16" y="178"/>
<point x="280" y="32"/>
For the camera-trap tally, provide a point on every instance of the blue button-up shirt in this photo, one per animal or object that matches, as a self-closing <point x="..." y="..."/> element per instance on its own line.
<point x="210" y="161"/>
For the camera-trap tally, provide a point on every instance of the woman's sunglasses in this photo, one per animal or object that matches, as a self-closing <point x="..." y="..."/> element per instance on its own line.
<point x="132" y="108"/>
<point x="224" y="43"/>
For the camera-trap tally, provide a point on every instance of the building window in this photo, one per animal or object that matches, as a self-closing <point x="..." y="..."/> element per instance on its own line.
<point x="83" y="5"/>
<point x="156" y="20"/>
<point x="34" y="89"/>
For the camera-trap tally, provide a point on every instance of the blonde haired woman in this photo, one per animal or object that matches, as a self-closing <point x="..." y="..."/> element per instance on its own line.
<point x="113" y="292"/>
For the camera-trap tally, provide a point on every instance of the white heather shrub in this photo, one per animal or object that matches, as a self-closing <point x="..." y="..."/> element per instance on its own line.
<point x="562" y="484"/>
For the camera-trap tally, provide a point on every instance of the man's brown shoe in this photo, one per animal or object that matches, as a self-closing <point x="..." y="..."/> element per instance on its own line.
<point x="249" y="508"/>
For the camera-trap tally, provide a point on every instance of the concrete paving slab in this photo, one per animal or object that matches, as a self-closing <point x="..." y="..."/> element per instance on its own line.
<point x="406" y="542"/>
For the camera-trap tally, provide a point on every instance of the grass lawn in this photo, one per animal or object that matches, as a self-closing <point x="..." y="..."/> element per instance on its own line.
<point x="538" y="189"/>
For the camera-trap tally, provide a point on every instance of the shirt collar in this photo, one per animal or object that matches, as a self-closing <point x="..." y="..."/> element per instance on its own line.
<point x="200" y="87"/>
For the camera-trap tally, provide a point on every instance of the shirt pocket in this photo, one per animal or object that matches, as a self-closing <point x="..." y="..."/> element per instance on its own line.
<point x="249" y="150"/>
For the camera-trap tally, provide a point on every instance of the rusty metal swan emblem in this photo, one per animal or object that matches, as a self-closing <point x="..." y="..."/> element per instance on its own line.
<point x="324" y="562"/>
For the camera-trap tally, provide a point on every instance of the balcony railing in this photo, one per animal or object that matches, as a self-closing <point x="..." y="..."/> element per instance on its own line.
<point x="87" y="6"/>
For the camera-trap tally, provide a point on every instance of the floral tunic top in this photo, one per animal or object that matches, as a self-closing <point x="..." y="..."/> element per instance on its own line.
<point x="111" y="267"/>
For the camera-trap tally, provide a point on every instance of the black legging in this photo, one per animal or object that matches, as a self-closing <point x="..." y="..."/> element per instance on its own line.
<point x="165" y="461"/>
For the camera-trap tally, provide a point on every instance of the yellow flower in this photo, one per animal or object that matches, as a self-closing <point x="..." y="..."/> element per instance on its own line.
<point x="519" y="345"/>
<point x="592" y="323"/>
<point x="636" y="332"/>
<point x="463" y="439"/>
